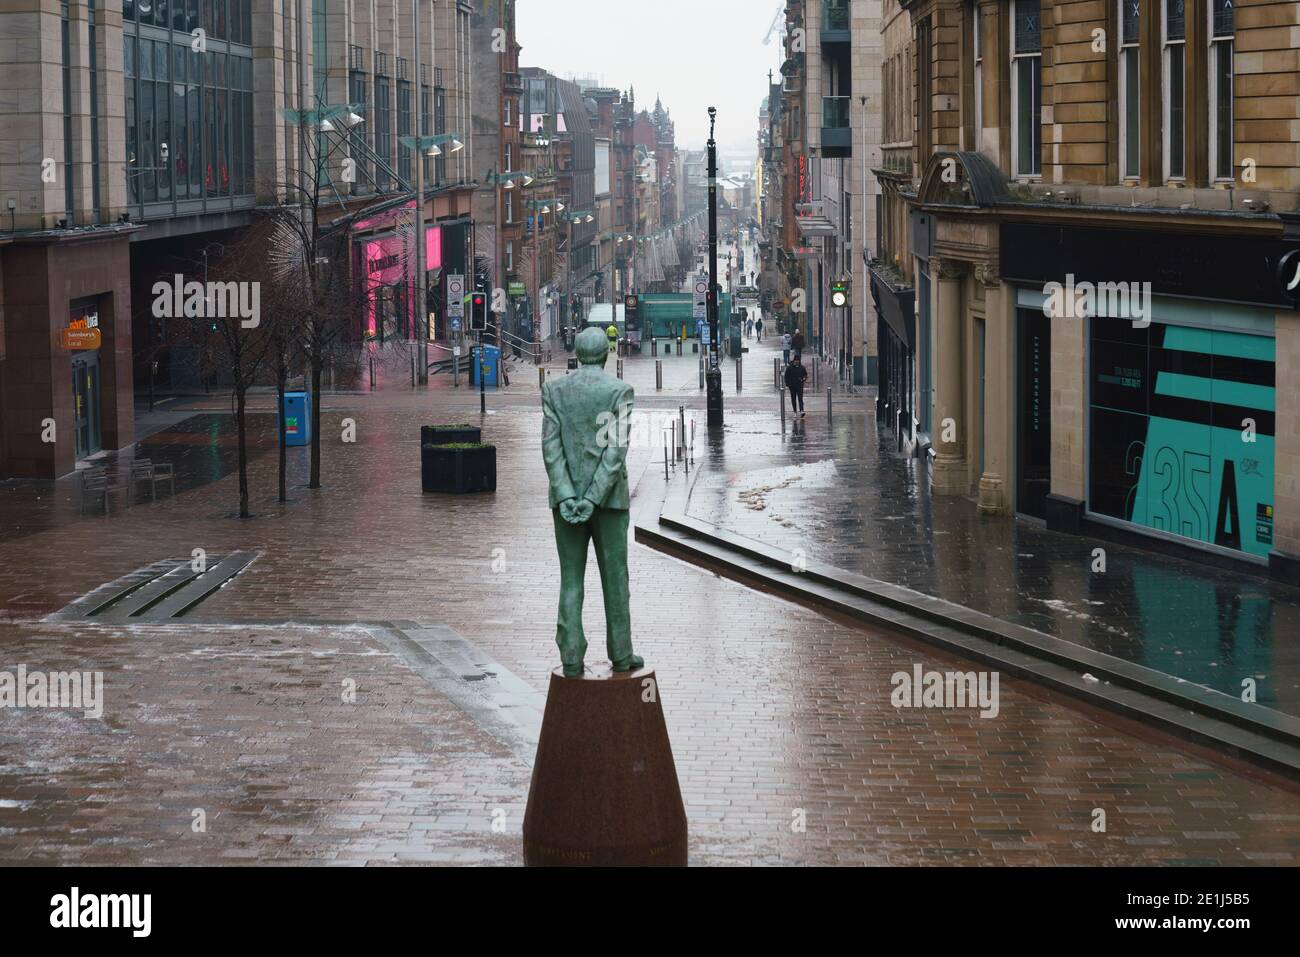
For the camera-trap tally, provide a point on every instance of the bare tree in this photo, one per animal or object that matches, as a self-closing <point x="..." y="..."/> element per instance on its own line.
<point x="309" y="248"/>
<point x="225" y="315"/>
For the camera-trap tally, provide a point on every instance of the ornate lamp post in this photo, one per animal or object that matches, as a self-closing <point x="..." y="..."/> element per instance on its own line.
<point x="540" y="207"/>
<point x="582" y="216"/>
<point x="508" y="180"/>
<point x="430" y="146"/>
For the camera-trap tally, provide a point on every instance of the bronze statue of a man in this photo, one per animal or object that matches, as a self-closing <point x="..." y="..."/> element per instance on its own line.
<point x="584" y="445"/>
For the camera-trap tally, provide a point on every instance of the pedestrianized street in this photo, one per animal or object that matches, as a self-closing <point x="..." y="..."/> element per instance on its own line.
<point x="521" y="434"/>
<point x="439" y="613"/>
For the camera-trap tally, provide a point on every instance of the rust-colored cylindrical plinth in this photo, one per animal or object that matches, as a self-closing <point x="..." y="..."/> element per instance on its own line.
<point x="604" y="789"/>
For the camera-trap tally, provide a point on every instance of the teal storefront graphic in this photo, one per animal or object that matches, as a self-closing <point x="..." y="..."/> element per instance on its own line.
<point x="1182" y="436"/>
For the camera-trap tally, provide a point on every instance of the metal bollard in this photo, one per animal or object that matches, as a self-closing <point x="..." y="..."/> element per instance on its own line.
<point x="701" y="371"/>
<point x="665" y="458"/>
<point x="654" y="347"/>
<point x="828" y="403"/>
<point x="776" y="372"/>
<point x="816" y="372"/>
<point x="620" y="368"/>
<point x="681" y="415"/>
<point x="740" y="378"/>
<point x="659" y="375"/>
<point x="679" y="347"/>
<point x="781" y="396"/>
<point x="541" y="377"/>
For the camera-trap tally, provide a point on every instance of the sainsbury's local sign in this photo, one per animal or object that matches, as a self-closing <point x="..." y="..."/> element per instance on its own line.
<point x="82" y="333"/>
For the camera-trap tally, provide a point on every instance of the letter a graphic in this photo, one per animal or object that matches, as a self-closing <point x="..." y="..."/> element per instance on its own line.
<point x="1228" y="510"/>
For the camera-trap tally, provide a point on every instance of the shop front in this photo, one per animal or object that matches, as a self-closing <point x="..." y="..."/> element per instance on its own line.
<point x="1182" y="426"/>
<point x="82" y="338"/>
<point x="65" y="350"/>
<point x="896" y="337"/>
<point x="1179" y="438"/>
<point x="384" y="250"/>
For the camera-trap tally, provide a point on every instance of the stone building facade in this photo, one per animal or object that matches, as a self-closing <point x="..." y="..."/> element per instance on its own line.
<point x="136" y="138"/>
<point x="1091" y="237"/>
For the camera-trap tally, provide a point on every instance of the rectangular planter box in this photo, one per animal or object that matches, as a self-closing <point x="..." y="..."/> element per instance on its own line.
<point x="458" y="471"/>
<point x="433" y="435"/>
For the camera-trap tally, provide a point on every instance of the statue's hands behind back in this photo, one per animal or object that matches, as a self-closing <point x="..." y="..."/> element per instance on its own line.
<point x="576" y="511"/>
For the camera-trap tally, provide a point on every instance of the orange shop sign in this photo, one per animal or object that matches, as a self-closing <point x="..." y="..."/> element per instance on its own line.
<point x="78" y="339"/>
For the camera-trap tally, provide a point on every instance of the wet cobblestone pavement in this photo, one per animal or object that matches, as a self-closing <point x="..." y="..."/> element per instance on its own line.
<point x="846" y="497"/>
<point x="772" y="708"/>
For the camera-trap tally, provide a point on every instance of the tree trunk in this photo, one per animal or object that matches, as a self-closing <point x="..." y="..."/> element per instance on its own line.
<point x="317" y="360"/>
<point x="241" y="396"/>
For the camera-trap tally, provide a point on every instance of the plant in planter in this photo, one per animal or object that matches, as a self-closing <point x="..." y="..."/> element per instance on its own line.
<point x="458" y="467"/>
<point x="450" y="434"/>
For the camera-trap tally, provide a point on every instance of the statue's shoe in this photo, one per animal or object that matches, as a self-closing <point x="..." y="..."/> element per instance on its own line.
<point x="573" y="671"/>
<point x="630" y="663"/>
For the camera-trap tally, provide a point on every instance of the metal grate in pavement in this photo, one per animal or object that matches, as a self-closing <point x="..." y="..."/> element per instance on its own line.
<point x="166" y="589"/>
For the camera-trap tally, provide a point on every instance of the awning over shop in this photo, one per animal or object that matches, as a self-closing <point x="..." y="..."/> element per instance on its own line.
<point x="897" y="306"/>
<point x="815" y="226"/>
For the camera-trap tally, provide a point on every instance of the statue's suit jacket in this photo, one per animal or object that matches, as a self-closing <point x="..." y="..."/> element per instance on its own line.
<point x="580" y="437"/>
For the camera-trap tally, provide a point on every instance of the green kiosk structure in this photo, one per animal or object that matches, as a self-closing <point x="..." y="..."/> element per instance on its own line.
<point x="667" y="315"/>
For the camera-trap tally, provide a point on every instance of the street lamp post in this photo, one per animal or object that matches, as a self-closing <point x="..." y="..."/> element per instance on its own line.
<point x="713" y="376"/>
<point x="540" y="208"/>
<point x="573" y="217"/>
<point x="510" y="179"/>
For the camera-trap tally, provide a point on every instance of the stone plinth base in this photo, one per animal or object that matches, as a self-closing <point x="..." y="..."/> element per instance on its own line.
<point x="993" y="495"/>
<point x="949" y="475"/>
<point x="604" y="789"/>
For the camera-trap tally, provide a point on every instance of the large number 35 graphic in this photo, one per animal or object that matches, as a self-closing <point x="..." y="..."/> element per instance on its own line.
<point x="1182" y="508"/>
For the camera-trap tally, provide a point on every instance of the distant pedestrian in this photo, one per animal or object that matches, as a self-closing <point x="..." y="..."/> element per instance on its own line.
<point x="785" y="348"/>
<point x="795" y="377"/>
<point x="758" y="328"/>
<point x="749" y="328"/>
<point x="797" y="342"/>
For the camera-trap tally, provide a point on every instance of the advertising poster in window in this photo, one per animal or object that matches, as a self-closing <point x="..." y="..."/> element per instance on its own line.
<point x="1182" y="432"/>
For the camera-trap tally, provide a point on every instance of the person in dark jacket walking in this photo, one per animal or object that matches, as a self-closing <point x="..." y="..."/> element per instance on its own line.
<point x="797" y="342"/>
<point x="795" y="377"/>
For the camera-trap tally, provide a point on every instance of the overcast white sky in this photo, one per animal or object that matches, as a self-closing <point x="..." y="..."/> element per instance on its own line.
<point x="692" y="53"/>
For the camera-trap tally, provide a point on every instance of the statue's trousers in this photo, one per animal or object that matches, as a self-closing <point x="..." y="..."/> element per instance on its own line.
<point x="607" y="529"/>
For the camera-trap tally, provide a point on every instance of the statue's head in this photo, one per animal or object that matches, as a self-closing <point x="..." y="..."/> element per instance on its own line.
<point x="592" y="347"/>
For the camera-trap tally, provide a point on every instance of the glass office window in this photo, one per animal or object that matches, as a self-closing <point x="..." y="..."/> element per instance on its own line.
<point x="180" y="149"/>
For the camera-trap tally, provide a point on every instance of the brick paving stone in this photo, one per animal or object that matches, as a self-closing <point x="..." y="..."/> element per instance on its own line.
<point x="774" y="711"/>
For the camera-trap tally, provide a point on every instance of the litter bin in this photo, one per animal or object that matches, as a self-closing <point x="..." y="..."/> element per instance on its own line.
<point x="488" y="366"/>
<point x="296" y="418"/>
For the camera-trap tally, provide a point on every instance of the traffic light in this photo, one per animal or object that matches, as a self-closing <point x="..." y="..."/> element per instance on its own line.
<point x="840" y="293"/>
<point x="478" y="312"/>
